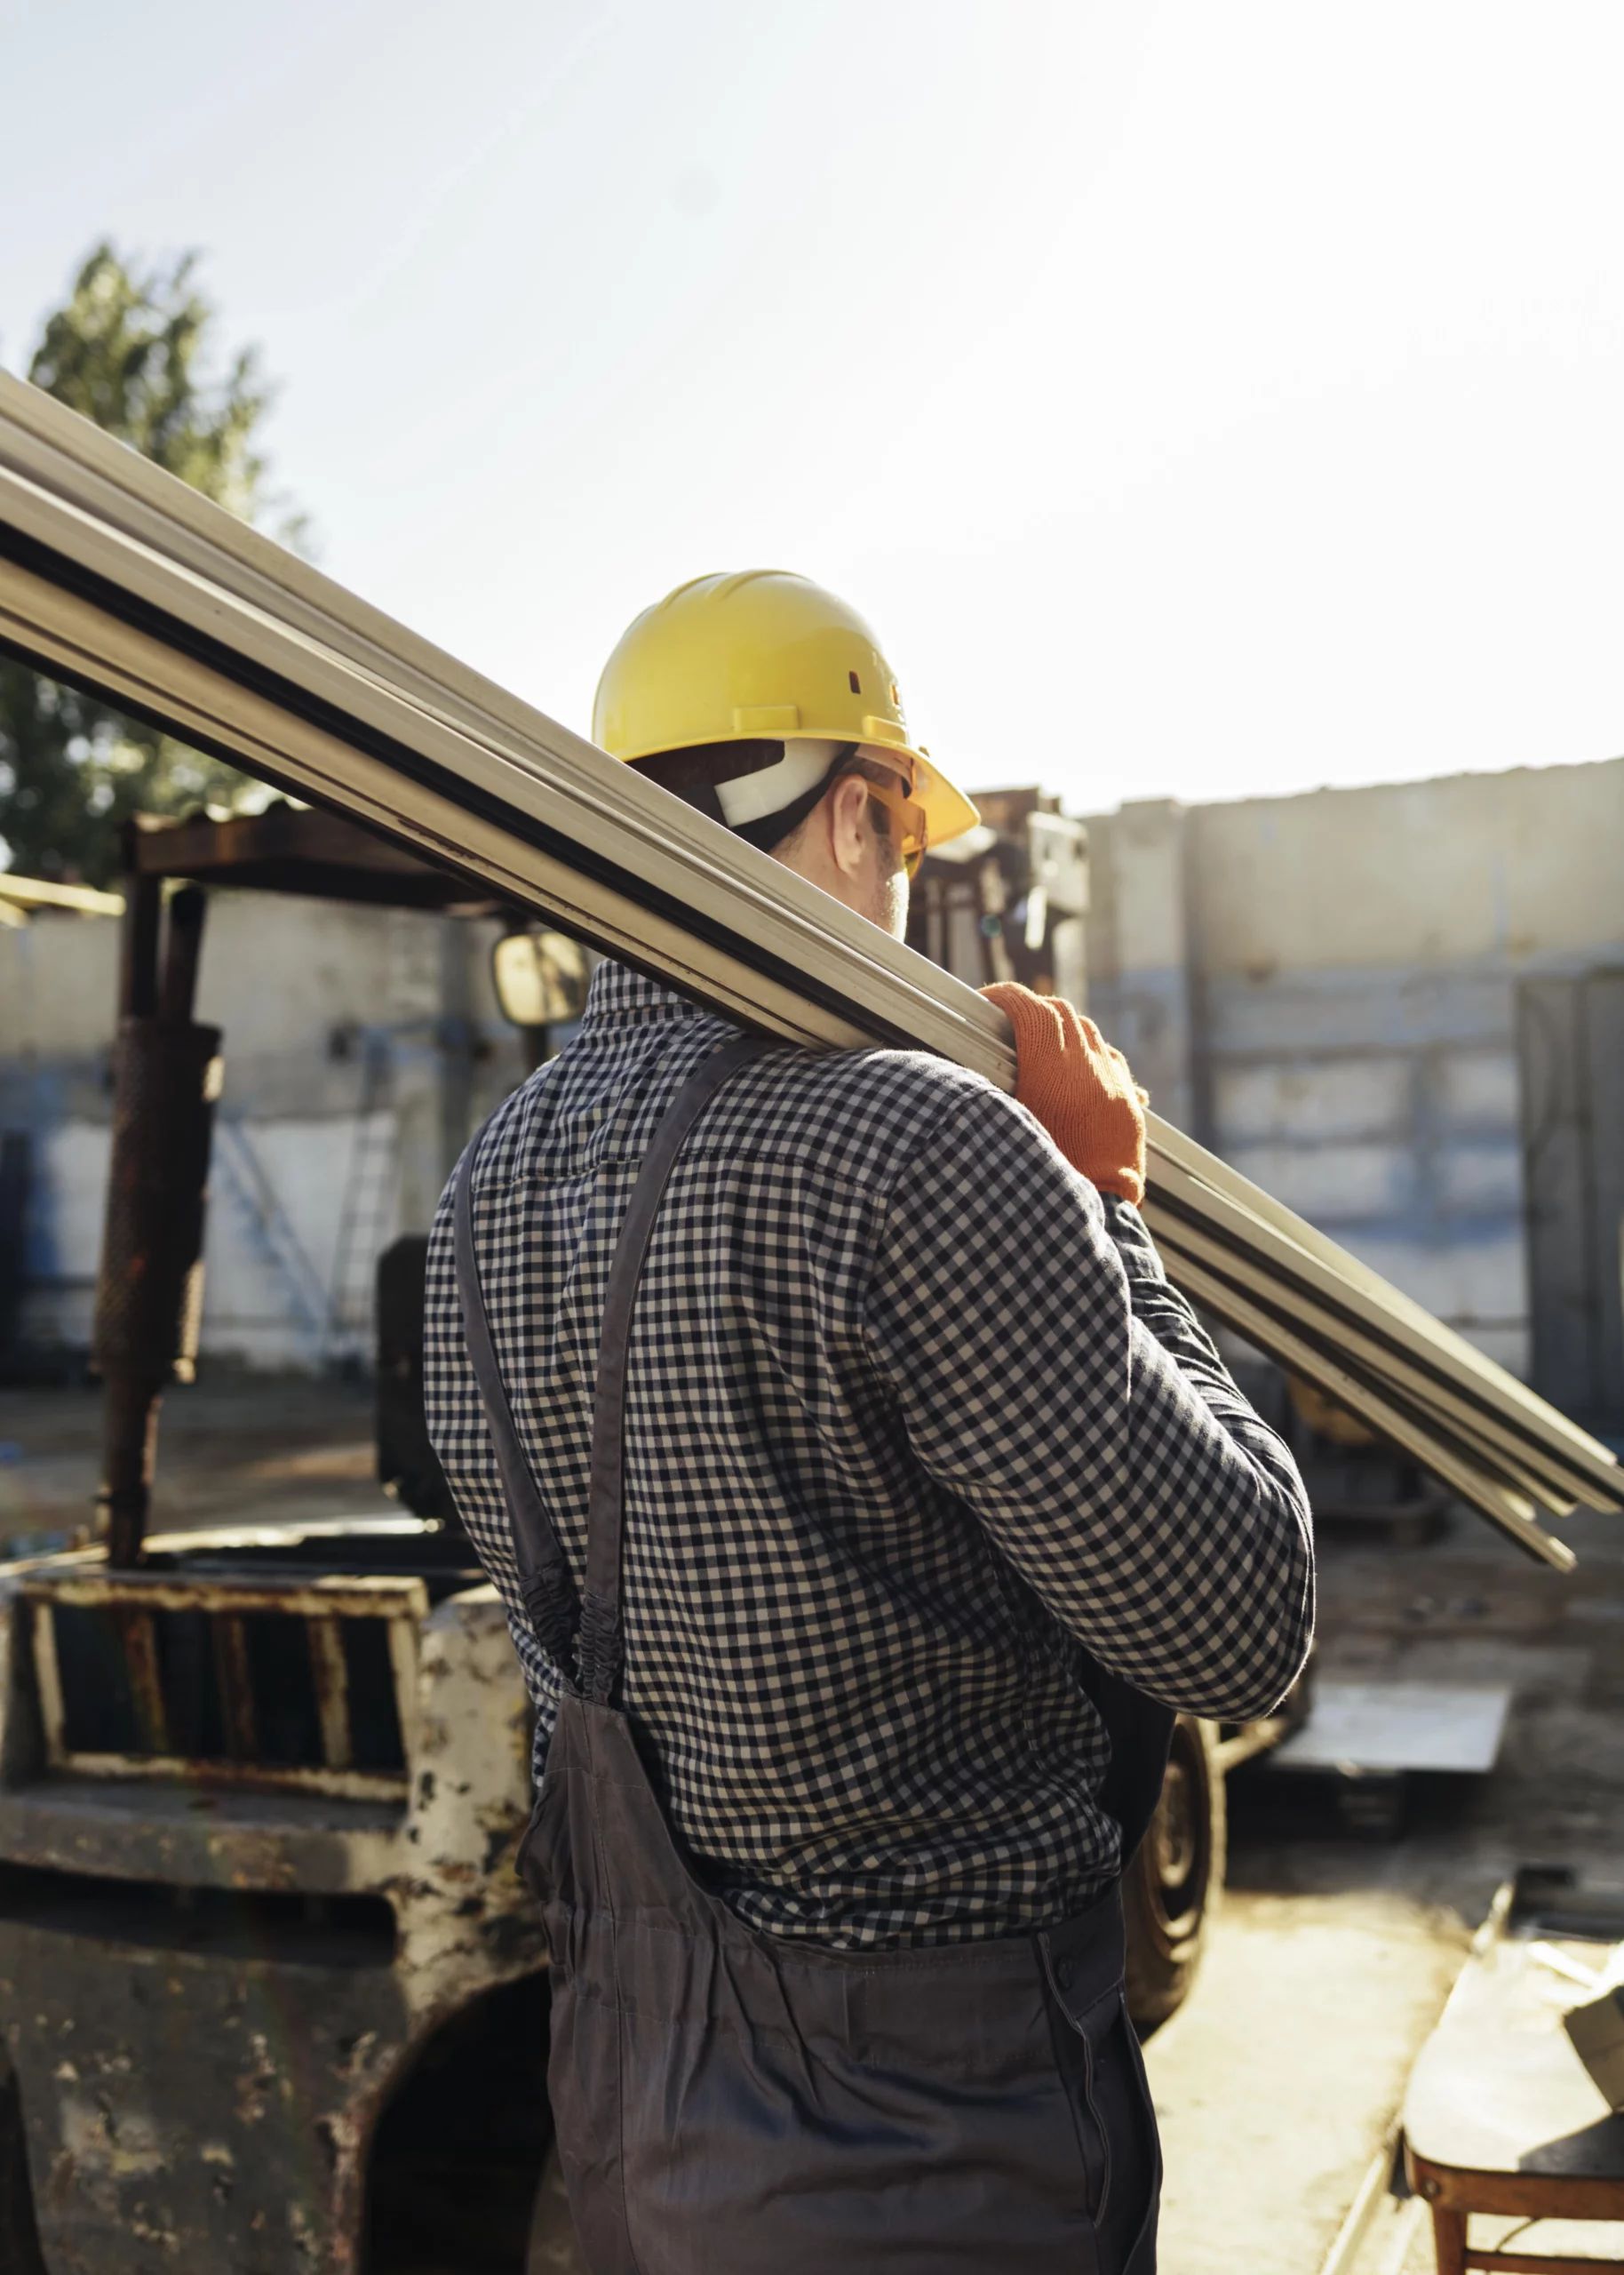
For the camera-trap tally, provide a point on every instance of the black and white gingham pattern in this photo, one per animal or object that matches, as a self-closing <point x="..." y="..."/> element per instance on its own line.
<point x="909" y="1408"/>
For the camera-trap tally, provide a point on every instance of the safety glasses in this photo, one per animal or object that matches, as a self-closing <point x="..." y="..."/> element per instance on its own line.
<point x="913" y="832"/>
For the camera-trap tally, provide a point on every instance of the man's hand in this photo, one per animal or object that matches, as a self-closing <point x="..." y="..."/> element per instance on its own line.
<point x="1072" y="1082"/>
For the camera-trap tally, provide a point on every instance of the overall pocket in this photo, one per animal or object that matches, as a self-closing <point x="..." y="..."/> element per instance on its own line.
<point x="1082" y="2036"/>
<point x="1097" y="2052"/>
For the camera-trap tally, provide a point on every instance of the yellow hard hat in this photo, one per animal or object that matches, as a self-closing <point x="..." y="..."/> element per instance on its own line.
<point x="763" y="656"/>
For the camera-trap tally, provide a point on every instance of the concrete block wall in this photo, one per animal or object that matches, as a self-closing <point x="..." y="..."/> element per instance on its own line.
<point x="1323" y="987"/>
<point x="361" y="1046"/>
<point x="1332" y="1003"/>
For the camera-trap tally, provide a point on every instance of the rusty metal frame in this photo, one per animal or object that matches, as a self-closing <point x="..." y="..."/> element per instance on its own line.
<point x="134" y="1597"/>
<point x="1249" y="1741"/>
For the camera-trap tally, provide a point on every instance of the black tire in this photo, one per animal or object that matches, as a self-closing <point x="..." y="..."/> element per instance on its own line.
<point x="1171" y="1888"/>
<point x="20" y="2246"/>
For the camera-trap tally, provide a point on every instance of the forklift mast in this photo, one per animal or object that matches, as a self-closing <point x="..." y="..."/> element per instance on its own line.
<point x="1007" y="900"/>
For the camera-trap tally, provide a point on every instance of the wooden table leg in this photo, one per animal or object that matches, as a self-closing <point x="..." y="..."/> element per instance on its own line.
<point x="1449" y="2240"/>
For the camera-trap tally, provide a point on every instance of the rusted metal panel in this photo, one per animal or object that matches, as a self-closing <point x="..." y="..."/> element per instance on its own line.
<point x="166" y="1079"/>
<point x="48" y="1680"/>
<point x="330" y="1671"/>
<point x="189" y="1833"/>
<point x="404" y="1667"/>
<point x="198" y="2096"/>
<point x="342" y="1596"/>
<point x="271" y="1778"/>
<point x="196" y="2109"/>
<point x="1249" y="1741"/>
<point x="286" y="850"/>
<point x="119" y="1704"/>
<point x="236" y="1691"/>
<point x="140" y="1642"/>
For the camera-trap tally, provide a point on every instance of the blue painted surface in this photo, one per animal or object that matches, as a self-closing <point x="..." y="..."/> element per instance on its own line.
<point x="1381" y="1104"/>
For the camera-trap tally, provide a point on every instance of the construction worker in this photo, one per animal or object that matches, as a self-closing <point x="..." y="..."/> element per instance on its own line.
<point x="854" y="1480"/>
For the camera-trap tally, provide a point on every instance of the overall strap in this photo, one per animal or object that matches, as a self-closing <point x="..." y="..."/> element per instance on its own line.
<point x="601" y="1633"/>
<point x="545" y="1582"/>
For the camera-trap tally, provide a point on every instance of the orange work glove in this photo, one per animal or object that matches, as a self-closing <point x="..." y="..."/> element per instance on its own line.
<point x="1069" y="1078"/>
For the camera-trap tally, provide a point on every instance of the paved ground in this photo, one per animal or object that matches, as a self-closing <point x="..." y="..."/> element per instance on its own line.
<point x="1334" y="1952"/>
<point x="235" y="1448"/>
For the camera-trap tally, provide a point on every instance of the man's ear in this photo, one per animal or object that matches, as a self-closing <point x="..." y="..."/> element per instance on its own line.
<point x="848" y="824"/>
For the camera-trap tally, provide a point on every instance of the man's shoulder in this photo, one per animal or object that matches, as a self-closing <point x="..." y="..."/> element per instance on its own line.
<point x="868" y="1113"/>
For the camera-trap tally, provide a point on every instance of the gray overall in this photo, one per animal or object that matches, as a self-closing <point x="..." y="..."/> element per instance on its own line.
<point x="731" y="2102"/>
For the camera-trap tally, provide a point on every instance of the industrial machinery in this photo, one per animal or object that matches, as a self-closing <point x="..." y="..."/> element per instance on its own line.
<point x="270" y="1990"/>
<point x="270" y="1994"/>
<point x="269" y="1986"/>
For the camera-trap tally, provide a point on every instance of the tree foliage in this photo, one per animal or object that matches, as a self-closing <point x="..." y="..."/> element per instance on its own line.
<point x="133" y="351"/>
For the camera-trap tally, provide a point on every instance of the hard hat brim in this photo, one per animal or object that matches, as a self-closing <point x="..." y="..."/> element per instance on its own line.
<point x="948" y="812"/>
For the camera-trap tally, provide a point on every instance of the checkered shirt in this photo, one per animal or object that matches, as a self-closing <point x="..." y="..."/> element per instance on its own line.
<point x="908" y="1409"/>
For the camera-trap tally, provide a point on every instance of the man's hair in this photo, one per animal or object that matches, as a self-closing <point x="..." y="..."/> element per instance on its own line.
<point x="690" y="773"/>
<point x="869" y="770"/>
<point x="705" y="764"/>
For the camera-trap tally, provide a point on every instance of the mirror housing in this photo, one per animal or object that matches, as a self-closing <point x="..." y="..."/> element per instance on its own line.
<point x="540" y="977"/>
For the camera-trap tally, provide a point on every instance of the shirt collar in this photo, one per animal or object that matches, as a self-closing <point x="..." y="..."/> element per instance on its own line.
<point x="629" y="997"/>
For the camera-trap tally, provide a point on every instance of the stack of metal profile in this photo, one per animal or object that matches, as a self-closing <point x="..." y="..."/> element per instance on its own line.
<point x="118" y="579"/>
<point x="1325" y="1316"/>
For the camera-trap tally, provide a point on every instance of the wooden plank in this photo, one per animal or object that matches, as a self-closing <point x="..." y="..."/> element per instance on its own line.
<point x="1516" y="2195"/>
<point x="1532" y="2262"/>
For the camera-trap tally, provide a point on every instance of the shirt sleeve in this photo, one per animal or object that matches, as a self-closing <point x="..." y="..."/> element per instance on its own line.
<point x="1049" y="1377"/>
<point x="1172" y="1320"/>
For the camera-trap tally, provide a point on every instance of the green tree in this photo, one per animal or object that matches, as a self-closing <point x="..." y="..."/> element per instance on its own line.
<point x="133" y="351"/>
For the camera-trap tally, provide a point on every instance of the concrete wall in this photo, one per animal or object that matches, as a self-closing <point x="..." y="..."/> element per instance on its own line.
<point x="361" y="1046"/>
<point x="1323" y="988"/>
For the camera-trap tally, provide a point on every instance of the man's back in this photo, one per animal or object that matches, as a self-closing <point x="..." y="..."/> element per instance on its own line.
<point x="897" y="1431"/>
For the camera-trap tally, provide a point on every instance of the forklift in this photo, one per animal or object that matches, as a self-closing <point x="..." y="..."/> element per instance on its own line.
<point x="272" y="1995"/>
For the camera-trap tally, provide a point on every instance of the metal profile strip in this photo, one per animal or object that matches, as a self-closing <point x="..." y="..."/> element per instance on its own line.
<point x="1300" y="1272"/>
<point x="1170" y="1149"/>
<point x="541" y="782"/>
<point x="1562" y="1489"/>
<point x="119" y="578"/>
<point x="1434" y="1406"/>
<point x="69" y="635"/>
<point x="1510" y="1511"/>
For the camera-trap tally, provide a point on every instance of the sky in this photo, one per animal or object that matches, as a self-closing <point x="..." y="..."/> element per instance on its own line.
<point x="1199" y="401"/>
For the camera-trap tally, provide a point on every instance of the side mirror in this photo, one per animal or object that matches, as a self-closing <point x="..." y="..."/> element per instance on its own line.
<point x="540" y="978"/>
